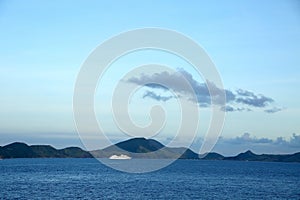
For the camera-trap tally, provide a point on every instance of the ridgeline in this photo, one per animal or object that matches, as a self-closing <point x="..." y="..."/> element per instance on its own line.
<point x="135" y="148"/>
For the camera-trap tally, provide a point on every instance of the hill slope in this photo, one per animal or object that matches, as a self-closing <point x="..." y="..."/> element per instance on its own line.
<point x="135" y="148"/>
<point x="250" y="156"/>
<point x="22" y="150"/>
<point x="145" y="148"/>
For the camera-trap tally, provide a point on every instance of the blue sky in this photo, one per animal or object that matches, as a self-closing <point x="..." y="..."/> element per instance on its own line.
<point x="254" y="45"/>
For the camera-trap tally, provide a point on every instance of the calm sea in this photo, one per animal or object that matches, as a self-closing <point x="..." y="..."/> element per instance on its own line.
<point x="184" y="179"/>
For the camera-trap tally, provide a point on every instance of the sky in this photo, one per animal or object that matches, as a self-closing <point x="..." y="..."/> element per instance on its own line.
<point x="254" y="46"/>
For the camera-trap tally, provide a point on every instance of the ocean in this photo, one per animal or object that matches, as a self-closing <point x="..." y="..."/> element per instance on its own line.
<point x="184" y="179"/>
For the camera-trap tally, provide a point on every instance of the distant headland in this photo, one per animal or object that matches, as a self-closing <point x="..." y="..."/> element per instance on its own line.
<point x="134" y="148"/>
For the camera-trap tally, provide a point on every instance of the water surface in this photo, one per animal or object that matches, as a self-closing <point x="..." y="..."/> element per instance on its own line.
<point x="184" y="179"/>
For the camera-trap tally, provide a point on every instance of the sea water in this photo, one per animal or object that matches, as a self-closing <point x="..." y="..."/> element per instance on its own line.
<point x="184" y="179"/>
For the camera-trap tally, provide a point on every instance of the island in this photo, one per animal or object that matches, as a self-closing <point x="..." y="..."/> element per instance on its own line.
<point x="136" y="148"/>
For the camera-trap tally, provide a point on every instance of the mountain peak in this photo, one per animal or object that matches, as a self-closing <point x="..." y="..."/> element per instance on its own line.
<point x="140" y="145"/>
<point x="17" y="144"/>
<point x="249" y="152"/>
